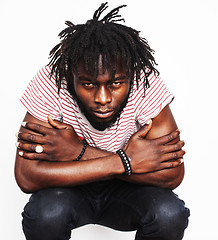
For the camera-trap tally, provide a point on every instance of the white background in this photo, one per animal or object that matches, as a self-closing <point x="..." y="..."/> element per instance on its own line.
<point x="184" y="35"/>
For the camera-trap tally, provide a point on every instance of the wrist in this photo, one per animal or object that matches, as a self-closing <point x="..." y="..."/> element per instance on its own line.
<point x="94" y="153"/>
<point x="82" y="151"/>
<point x="118" y="166"/>
<point x="126" y="161"/>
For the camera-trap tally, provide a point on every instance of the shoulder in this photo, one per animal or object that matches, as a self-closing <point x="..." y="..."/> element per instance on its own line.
<point x="139" y="87"/>
<point x="142" y="94"/>
<point x="44" y="76"/>
<point x="149" y="102"/>
<point x="44" y="83"/>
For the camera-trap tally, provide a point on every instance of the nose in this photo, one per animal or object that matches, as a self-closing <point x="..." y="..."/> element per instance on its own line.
<point x="103" y="95"/>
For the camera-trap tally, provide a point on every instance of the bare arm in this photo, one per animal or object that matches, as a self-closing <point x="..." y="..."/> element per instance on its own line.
<point x="163" y="124"/>
<point x="34" y="174"/>
<point x="54" y="167"/>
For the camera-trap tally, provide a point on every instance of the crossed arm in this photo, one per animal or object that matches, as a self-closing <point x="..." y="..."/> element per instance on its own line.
<point x="155" y="150"/>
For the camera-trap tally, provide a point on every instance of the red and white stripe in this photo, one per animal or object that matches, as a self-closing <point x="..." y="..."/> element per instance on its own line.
<point x="41" y="99"/>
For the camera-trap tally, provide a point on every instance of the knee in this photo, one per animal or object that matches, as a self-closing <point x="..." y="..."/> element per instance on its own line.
<point x="167" y="217"/>
<point x="171" y="217"/>
<point x="48" y="204"/>
<point x="47" y="212"/>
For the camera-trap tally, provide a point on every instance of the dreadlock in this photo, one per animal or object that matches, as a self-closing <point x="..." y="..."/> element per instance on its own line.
<point x="102" y="37"/>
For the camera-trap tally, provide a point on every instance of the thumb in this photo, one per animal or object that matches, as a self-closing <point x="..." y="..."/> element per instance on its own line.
<point x="145" y="129"/>
<point x="56" y="124"/>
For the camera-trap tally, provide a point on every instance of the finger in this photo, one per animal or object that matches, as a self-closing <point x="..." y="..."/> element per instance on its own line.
<point x="35" y="127"/>
<point x="173" y="155"/>
<point x="33" y="156"/>
<point x="144" y="130"/>
<point x="31" y="137"/>
<point x="168" y="138"/>
<point x="171" y="164"/>
<point x="173" y="147"/>
<point x="56" y="124"/>
<point x="29" y="147"/>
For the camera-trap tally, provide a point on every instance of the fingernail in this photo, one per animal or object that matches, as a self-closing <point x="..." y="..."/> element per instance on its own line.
<point x="181" y="161"/>
<point x="20" y="153"/>
<point x="148" y="122"/>
<point x="17" y="144"/>
<point x="50" y="116"/>
<point x="179" y="130"/>
<point x="23" y="124"/>
<point x="16" y="134"/>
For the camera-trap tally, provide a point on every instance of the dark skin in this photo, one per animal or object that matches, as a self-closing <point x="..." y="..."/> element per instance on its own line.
<point x="155" y="150"/>
<point x="108" y="101"/>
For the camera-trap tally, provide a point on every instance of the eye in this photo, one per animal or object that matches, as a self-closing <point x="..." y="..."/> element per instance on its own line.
<point x="116" y="84"/>
<point x="88" y="85"/>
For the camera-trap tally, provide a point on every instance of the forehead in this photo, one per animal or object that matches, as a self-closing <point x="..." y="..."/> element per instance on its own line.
<point x="101" y="67"/>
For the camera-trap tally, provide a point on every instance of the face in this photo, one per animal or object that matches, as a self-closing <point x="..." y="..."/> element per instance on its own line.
<point x="101" y="99"/>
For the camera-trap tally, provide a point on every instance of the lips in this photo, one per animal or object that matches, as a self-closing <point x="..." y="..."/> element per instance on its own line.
<point x="101" y="114"/>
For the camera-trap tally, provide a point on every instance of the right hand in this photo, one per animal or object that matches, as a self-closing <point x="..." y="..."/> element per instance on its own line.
<point x="156" y="154"/>
<point x="60" y="143"/>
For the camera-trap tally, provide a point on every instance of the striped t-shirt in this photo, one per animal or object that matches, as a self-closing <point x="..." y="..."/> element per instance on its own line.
<point x="41" y="98"/>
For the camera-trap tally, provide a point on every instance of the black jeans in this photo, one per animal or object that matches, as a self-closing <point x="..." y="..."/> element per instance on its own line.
<point x="155" y="213"/>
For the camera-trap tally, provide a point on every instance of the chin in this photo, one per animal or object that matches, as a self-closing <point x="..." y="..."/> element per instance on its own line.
<point x="101" y="125"/>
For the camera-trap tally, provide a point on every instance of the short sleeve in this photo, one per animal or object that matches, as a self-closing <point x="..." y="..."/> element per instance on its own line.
<point x="150" y="104"/>
<point x="41" y="96"/>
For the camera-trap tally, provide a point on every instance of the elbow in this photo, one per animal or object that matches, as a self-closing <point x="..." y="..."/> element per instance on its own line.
<point x="175" y="180"/>
<point x="24" y="175"/>
<point x="172" y="185"/>
<point x="25" y="188"/>
<point x="24" y="183"/>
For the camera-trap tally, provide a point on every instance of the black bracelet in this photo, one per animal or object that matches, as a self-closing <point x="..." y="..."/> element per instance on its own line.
<point x="125" y="161"/>
<point x="83" y="150"/>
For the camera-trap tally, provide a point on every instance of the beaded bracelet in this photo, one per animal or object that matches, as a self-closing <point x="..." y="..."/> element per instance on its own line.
<point x="83" y="150"/>
<point x="125" y="161"/>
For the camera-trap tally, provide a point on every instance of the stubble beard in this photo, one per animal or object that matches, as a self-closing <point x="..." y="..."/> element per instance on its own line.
<point x="100" y="125"/>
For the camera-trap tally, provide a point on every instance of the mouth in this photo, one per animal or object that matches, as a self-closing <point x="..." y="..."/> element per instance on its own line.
<point x="101" y="114"/>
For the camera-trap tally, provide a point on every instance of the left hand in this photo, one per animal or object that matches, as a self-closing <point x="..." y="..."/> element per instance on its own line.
<point x="59" y="143"/>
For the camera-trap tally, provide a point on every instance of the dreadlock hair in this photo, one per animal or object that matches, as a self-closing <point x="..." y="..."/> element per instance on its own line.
<point x="103" y="37"/>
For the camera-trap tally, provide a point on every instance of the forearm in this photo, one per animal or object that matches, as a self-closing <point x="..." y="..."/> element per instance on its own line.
<point x="167" y="178"/>
<point x="94" y="153"/>
<point x="32" y="175"/>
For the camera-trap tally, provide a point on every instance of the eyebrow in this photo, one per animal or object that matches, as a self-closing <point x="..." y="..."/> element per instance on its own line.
<point x="120" y="77"/>
<point x="83" y="78"/>
<point x="89" y="79"/>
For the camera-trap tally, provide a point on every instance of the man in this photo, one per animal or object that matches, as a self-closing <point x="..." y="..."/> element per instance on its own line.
<point x="88" y="149"/>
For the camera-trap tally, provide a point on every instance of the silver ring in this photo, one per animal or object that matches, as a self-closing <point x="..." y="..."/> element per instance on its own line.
<point x="39" y="149"/>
